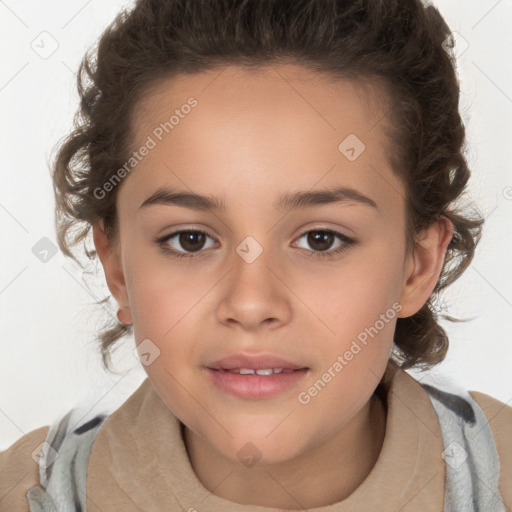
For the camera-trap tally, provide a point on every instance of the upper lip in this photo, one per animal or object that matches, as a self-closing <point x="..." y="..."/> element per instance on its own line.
<point x="255" y="362"/>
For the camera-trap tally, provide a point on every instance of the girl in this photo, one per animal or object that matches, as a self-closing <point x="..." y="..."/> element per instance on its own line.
<point x="271" y="190"/>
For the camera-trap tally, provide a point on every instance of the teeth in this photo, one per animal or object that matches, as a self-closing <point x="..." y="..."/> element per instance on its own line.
<point x="267" y="371"/>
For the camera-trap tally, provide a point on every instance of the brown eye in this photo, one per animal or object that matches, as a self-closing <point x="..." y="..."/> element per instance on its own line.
<point x="191" y="241"/>
<point x="321" y="240"/>
<point x="185" y="242"/>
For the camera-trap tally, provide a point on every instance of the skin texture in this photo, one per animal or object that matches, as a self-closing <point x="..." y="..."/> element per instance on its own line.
<point x="252" y="137"/>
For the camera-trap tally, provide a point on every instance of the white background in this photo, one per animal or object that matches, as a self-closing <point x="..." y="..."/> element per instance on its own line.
<point x="48" y="360"/>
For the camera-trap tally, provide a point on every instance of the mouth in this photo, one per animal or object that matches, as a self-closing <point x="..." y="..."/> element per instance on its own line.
<point x="261" y="372"/>
<point x="260" y="364"/>
<point x="251" y="384"/>
<point x="255" y="376"/>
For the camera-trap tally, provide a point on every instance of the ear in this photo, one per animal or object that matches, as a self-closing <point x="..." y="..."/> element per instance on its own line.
<point x="424" y="265"/>
<point x="111" y="262"/>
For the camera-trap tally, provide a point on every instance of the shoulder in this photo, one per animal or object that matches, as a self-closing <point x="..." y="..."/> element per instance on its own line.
<point x="19" y="470"/>
<point x="499" y="416"/>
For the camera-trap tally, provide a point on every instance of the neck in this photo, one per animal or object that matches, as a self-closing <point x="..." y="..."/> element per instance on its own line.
<point x="332" y="470"/>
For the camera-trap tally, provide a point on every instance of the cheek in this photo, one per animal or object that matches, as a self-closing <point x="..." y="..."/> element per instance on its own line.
<point x="164" y="310"/>
<point x="161" y="294"/>
<point x="352" y="294"/>
<point x="356" y="309"/>
<point x="165" y="305"/>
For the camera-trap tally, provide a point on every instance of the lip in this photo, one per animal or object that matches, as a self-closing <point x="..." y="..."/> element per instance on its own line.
<point x="256" y="362"/>
<point x="255" y="387"/>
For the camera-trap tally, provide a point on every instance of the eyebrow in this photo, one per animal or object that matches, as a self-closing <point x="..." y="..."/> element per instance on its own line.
<point x="290" y="201"/>
<point x="297" y="200"/>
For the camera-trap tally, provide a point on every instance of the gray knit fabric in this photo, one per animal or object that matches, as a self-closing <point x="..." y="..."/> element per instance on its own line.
<point x="63" y="463"/>
<point x="472" y="464"/>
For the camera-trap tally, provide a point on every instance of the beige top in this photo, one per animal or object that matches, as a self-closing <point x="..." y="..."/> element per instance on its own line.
<point x="131" y="469"/>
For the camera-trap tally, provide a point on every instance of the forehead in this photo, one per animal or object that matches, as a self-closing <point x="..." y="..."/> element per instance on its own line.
<point x="260" y="130"/>
<point x="263" y="92"/>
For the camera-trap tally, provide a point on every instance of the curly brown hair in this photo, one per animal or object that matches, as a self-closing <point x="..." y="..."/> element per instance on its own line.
<point x="402" y="45"/>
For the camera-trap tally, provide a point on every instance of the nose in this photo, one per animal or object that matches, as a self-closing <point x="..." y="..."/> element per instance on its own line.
<point x="254" y="295"/>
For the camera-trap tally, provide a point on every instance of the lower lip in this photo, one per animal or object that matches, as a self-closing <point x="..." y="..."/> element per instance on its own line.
<point x="255" y="386"/>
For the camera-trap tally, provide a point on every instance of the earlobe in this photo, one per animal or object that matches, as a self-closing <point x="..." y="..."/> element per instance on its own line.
<point x="112" y="267"/>
<point x="424" y="266"/>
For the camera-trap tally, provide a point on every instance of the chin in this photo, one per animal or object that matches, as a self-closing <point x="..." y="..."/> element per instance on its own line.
<point x="250" y="449"/>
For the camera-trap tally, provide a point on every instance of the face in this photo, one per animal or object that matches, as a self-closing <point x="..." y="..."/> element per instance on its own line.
<point x="319" y="284"/>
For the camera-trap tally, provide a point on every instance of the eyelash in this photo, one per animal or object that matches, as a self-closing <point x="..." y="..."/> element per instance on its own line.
<point x="347" y="243"/>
